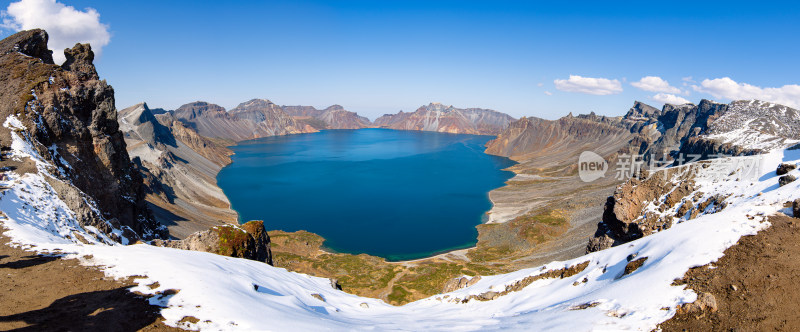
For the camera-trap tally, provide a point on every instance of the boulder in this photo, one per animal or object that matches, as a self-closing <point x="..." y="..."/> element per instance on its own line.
<point x="256" y="229"/>
<point x="784" y="169"/>
<point x="796" y="208"/>
<point x="227" y="240"/>
<point x="79" y="60"/>
<point x="705" y="302"/>
<point x="459" y="283"/>
<point x="786" y="179"/>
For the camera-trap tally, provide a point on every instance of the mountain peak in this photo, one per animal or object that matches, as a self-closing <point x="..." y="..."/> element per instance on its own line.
<point x="80" y="59"/>
<point x="642" y="110"/>
<point x="254" y="104"/>
<point x="335" y="107"/>
<point x="29" y="42"/>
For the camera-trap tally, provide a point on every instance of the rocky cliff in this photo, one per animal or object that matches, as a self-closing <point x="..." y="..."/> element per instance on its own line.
<point x="706" y="128"/>
<point x="67" y="115"/>
<point x="644" y="204"/>
<point x="252" y="119"/>
<point x="179" y="168"/>
<point x="547" y="174"/>
<point x="269" y="119"/>
<point x="564" y="138"/>
<point x="250" y="240"/>
<point x="448" y="119"/>
<point x="333" y="117"/>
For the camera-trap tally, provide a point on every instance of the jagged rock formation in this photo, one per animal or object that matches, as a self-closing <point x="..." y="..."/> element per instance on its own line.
<point x="69" y="118"/>
<point x="748" y="127"/>
<point x="675" y="124"/>
<point x="448" y="119"/>
<point x="706" y="131"/>
<point x="333" y="117"/>
<point x="179" y="168"/>
<point x="644" y="130"/>
<point x="252" y="119"/>
<point x="249" y="241"/>
<point x="738" y="128"/>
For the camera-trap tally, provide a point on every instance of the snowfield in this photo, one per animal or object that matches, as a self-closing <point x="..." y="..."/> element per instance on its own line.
<point x="237" y="294"/>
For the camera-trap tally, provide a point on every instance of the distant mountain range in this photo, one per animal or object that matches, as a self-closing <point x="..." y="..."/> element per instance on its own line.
<point x="333" y="117"/>
<point x="448" y="119"/>
<point x="252" y="119"/>
<point x="740" y="127"/>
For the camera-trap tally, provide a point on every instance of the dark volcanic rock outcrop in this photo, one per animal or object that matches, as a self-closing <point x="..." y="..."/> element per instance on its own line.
<point x="32" y="43"/>
<point x="448" y="119"/>
<point x="785" y="168"/>
<point x="626" y="216"/>
<point x="71" y="121"/>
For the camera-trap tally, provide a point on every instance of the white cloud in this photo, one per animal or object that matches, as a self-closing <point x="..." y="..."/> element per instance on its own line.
<point x="65" y="24"/>
<point x="667" y="98"/>
<point x="589" y="85"/>
<point x="727" y="88"/>
<point x="540" y="84"/>
<point x="548" y="93"/>
<point x="655" y="84"/>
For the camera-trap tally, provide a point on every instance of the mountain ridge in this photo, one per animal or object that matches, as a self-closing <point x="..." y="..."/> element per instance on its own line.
<point x="179" y="167"/>
<point x="448" y="119"/>
<point x="68" y="116"/>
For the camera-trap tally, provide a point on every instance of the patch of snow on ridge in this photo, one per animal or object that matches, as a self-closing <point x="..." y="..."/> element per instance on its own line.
<point x="40" y="216"/>
<point x="757" y="125"/>
<point x="227" y="293"/>
<point x="32" y="201"/>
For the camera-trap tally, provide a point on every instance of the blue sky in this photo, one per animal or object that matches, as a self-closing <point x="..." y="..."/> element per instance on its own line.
<point x="377" y="57"/>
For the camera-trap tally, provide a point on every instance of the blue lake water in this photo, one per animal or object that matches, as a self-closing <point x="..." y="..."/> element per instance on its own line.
<point x="394" y="194"/>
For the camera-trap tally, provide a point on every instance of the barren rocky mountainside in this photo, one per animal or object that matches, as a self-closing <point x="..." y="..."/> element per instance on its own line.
<point x="67" y="113"/>
<point x="332" y="117"/>
<point x="447" y="119"/>
<point x="648" y="203"/>
<point x="67" y="154"/>
<point x="548" y="151"/>
<point x="179" y="169"/>
<point x="649" y="131"/>
<point x="252" y="119"/>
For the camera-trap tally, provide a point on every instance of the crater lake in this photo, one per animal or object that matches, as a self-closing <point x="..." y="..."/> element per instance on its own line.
<point x="396" y="194"/>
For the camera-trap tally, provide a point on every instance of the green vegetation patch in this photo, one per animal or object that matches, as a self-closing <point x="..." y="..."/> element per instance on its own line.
<point x="233" y="241"/>
<point x="399" y="295"/>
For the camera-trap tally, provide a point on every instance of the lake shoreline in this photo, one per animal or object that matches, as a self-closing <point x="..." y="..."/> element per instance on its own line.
<point x="298" y="168"/>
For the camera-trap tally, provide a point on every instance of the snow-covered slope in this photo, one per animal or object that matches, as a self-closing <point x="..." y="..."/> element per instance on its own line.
<point x="236" y="294"/>
<point x="757" y="125"/>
